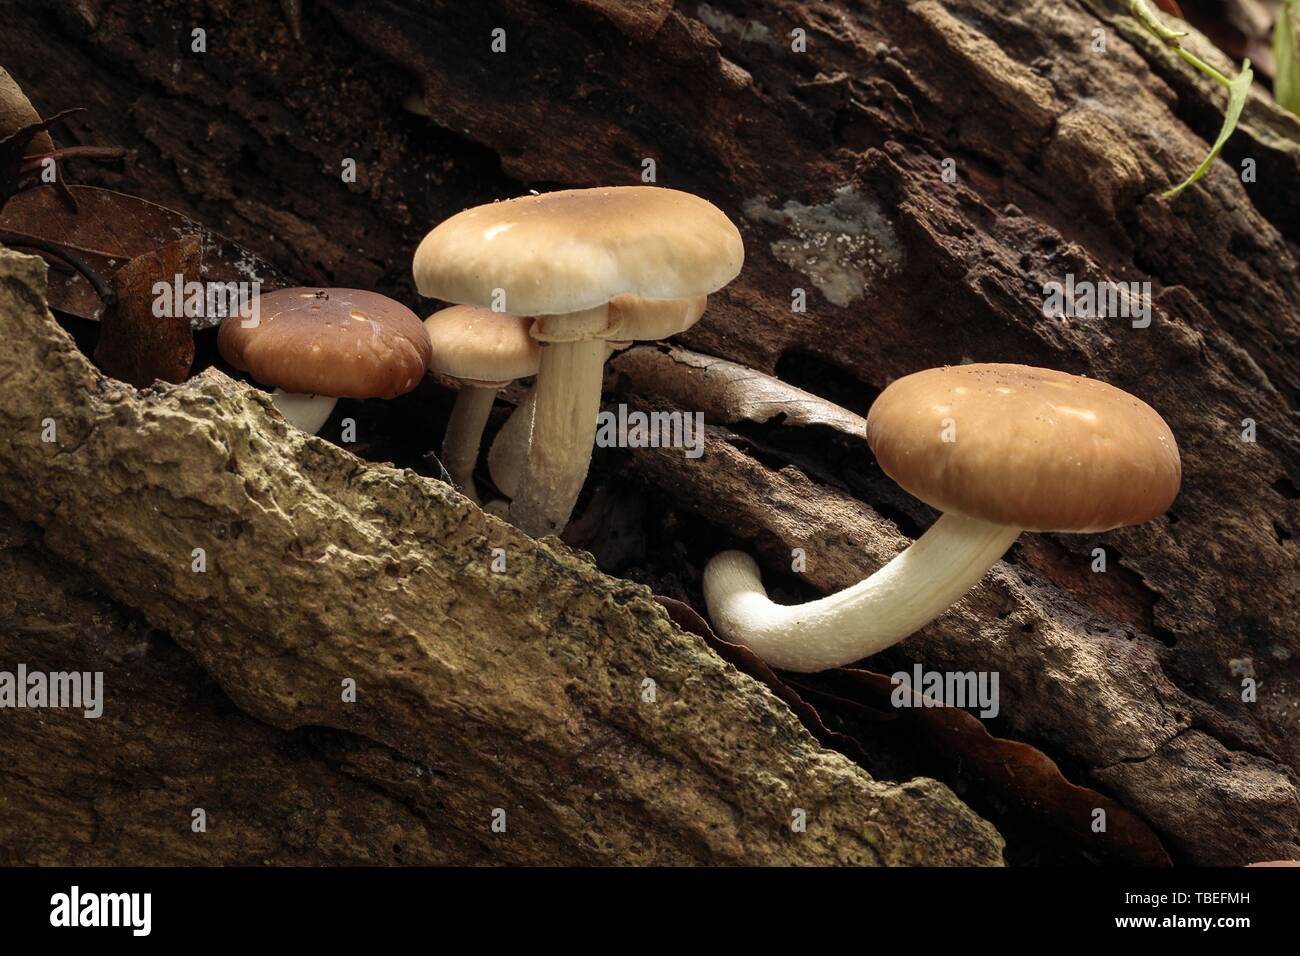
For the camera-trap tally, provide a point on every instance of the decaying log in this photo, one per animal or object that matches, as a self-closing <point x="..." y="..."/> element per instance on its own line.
<point x="520" y="688"/>
<point x="123" y="788"/>
<point x="1081" y="680"/>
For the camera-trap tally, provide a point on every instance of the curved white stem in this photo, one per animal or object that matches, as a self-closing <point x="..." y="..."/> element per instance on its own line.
<point x="509" y="452"/>
<point x="464" y="432"/>
<point x="569" y="380"/>
<point x="899" y="599"/>
<point x="308" y="412"/>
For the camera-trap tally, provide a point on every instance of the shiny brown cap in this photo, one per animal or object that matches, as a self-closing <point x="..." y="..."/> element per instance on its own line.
<point x="482" y="346"/>
<point x="576" y="249"/>
<point x="632" y="318"/>
<point x="344" y="343"/>
<point x="1025" y="447"/>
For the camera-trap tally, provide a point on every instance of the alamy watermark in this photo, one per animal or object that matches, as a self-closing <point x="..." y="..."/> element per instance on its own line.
<point x="212" y="301"/>
<point x="965" y="689"/>
<point x="1098" y="300"/>
<point x="129" y="910"/>
<point x="636" y="429"/>
<point x="78" y="690"/>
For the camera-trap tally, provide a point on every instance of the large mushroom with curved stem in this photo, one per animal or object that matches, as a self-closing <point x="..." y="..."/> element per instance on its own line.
<point x="998" y="449"/>
<point x="315" y="346"/>
<point x="484" y="351"/>
<point x="561" y="257"/>
<point x="631" y="319"/>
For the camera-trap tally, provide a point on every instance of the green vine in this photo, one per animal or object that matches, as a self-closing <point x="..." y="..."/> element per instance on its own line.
<point x="1238" y="87"/>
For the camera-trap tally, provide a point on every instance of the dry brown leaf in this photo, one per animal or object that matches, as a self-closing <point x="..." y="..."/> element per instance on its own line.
<point x="112" y="228"/>
<point x="17" y="112"/>
<point x="727" y="392"/>
<point x="1014" y="772"/>
<point x="135" y="345"/>
<point x="1017" y="773"/>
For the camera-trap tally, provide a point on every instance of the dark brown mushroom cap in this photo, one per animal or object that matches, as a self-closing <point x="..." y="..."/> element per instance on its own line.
<point x="344" y="343"/>
<point x="1025" y="447"/>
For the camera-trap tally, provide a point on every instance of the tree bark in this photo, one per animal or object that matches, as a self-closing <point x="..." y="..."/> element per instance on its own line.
<point x="586" y="724"/>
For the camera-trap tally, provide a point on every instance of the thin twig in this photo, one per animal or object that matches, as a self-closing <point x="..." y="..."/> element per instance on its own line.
<point x="97" y="282"/>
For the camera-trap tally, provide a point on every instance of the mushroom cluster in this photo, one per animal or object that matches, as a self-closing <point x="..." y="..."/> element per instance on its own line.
<point x="998" y="449"/>
<point x="564" y="259"/>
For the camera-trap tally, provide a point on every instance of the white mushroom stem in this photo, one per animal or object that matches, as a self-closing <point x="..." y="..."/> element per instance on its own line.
<point x="308" y="412"/>
<point x="460" y="444"/>
<point x="509" y="452"/>
<point x="899" y="599"/>
<point x="569" y="381"/>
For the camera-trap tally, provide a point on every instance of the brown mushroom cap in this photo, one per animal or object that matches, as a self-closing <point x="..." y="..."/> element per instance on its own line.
<point x="1034" y="448"/>
<point x="632" y="318"/>
<point x="344" y="343"/>
<point x="482" y="346"/>
<point x="576" y="249"/>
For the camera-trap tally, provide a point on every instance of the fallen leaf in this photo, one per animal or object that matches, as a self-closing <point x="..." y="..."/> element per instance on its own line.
<point x="17" y="112"/>
<point x="112" y="228"/>
<point x="137" y="345"/>
<point x="727" y="392"/>
<point x="14" y="150"/>
<point x="1017" y="773"/>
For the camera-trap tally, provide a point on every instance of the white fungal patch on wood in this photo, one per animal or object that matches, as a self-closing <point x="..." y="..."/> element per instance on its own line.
<point x="843" y="245"/>
<point x="719" y="21"/>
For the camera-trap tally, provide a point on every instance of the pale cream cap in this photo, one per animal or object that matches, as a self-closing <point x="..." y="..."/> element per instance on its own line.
<point x="632" y="318"/>
<point x="479" y="345"/>
<point x="577" y="249"/>
<point x="1026" y="447"/>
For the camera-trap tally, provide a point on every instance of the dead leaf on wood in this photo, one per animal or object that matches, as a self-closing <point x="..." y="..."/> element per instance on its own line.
<point x="112" y="228"/>
<point x="746" y="661"/>
<point x="14" y="150"/>
<point x="727" y="392"/>
<point x="135" y="344"/>
<point x="17" y="112"/>
<point x="1015" y="772"/>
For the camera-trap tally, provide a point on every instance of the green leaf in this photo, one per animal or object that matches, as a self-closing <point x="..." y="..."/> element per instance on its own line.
<point x="1286" y="56"/>
<point x="1238" y="90"/>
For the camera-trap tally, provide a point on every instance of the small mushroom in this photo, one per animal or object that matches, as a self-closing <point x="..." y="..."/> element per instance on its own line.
<point x="484" y="350"/>
<point x="315" y="346"/>
<point x="561" y="257"/>
<point x="631" y="319"/>
<point x="998" y="449"/>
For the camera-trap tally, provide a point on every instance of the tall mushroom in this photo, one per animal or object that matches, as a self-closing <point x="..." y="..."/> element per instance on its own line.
<point x="999" y="449"/>
<point x="562" y="257"/>
<point x="315" y="346"/>
<point x="483" y="350"/>
<point x="631" y="319"/>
